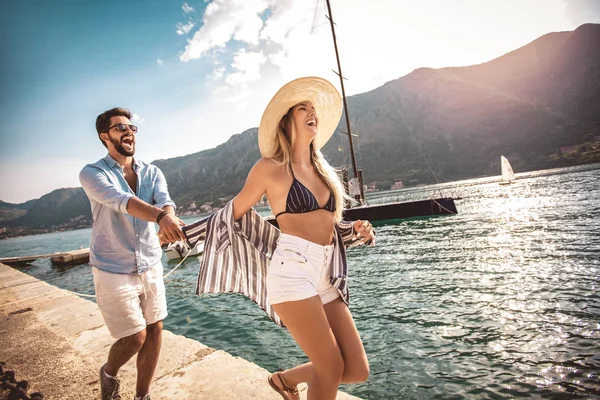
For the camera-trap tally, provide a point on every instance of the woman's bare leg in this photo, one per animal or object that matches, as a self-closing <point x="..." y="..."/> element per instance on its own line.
<point x="307" y="323"/>
<point x="356" y="365"/>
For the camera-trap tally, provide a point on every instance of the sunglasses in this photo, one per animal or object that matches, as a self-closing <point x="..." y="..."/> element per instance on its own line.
<point x="123" y="127"/>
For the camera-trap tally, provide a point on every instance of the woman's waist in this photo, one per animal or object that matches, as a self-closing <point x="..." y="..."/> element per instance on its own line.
<point x="314" y="227"/>
<point x="314" y="235"/>
<point x="304" y="245"/>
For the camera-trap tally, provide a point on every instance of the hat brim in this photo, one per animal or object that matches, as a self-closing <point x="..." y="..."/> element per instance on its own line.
<point x="321" y="93"/>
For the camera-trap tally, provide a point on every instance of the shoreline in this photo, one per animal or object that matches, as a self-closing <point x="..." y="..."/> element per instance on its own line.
<point x="521" y="174"/>
<point x="58" y="341"/>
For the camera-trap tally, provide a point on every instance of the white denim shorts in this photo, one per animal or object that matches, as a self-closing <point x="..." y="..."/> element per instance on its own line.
<point x="300" y="269"/>
<point x="130" y="302"/>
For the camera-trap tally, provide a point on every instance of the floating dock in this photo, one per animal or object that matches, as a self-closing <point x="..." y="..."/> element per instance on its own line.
<point x="68" y="257"/>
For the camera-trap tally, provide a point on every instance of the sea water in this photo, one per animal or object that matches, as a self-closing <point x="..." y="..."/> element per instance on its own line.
<point x="499" y="301"/>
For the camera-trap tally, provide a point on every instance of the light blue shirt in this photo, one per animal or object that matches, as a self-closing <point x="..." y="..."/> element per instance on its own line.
<point x="121" y="243"/>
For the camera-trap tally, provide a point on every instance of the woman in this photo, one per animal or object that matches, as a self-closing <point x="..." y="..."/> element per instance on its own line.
<point x="307" y="198"/>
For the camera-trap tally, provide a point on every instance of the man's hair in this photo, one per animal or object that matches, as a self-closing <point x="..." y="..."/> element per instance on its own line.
<point x="103" y="120"/>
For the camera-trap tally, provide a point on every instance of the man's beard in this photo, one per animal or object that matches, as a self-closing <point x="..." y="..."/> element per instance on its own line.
<point x="120" y="149"/>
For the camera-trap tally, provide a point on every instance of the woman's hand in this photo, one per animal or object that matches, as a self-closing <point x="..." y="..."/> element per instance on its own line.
<point x="363" y="230"/>
<point x="170" y="229"/>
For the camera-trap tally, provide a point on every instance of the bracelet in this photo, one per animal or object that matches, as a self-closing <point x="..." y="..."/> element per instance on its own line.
<point x="160" y="216"/>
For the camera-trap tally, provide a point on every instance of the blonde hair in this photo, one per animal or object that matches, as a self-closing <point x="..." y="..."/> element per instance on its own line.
<point x="282" y="155"/>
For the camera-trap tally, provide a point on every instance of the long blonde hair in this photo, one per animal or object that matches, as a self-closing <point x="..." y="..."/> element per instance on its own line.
<point x="282" y="155"/>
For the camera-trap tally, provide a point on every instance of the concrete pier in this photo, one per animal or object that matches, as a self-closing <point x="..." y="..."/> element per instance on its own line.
<point x="58" y="341"/>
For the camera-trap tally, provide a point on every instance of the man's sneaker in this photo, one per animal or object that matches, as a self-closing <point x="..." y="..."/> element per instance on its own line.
<point x="146" y="397"/>
<point x="109" y="387"/>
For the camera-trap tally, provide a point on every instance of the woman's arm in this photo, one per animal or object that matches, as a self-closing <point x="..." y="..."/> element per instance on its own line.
<point x="255" y="187"/>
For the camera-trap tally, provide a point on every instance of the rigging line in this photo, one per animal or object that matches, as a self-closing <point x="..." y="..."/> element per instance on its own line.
<point x="439" y="205"/>
<point x="90" y="295"/>
<point x="346" y="164"/>
<point x="420" y="149"/>
<point x="312" y="28"/>
<point x="343" y="150"/>
<point x="316" y="24"/>
<point x="181" y="262"/>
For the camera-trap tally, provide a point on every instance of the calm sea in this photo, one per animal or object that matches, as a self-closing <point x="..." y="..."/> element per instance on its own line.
<point x="499" y="301"/>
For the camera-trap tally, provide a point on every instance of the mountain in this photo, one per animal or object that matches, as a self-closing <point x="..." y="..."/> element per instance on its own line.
<point x="538" y="105"/>
<point x="526" y="105"/>
<point x="61" y="209"/>
<point x="10" y="206"/>
<point x="212" y="174"/>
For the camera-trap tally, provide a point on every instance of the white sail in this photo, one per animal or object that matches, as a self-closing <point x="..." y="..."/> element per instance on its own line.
<point x="507" y="171"/>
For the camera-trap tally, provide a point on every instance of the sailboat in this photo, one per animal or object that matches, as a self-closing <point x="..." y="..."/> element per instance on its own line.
<point x="390" y="211"/>
<point x="508" y="174"/>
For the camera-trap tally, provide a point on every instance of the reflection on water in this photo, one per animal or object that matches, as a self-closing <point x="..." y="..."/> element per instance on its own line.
<point x="499" y="301"/>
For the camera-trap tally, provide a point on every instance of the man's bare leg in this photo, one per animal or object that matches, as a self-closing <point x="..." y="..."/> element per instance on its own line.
<point x="147" y="358"/>
<point x="122" y="350"/>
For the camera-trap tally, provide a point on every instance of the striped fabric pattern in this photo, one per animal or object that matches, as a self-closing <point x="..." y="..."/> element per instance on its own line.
<point x="237" y="255"/>
<point x="301" y="200"/>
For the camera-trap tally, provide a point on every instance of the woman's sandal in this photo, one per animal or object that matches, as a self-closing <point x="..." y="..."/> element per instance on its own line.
<point x="288" y="392"/>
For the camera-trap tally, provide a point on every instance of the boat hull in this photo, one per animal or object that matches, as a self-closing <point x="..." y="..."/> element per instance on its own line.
<point x="409" y="209"/>
<point x="180" y="250"/>
<point x="393" y="211"/>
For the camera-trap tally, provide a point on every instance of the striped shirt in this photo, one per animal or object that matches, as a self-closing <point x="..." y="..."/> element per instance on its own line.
<point x="237" y="255"/>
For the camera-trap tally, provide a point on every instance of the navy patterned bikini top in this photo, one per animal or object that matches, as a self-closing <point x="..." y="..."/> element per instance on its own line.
<point x="301" y="200"/>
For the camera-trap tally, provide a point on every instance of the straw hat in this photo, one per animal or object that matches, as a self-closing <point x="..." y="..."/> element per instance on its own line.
<point x="320" y="92"/>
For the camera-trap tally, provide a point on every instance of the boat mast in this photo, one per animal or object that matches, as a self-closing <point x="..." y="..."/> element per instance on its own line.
<point x="339" y="73"/>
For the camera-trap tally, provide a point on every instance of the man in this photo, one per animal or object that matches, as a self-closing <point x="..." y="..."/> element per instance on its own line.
<point x="127" y="197"/>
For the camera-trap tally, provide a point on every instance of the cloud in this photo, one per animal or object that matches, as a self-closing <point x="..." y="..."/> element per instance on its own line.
<point x="137" y="119"/>
<point x="184" y="29"/>
<point x="218" y="72"/>
<point x="252" y="47"/>
<point x="186" y="8"/>
<point x="159" y="62"/>
<point x="226" y="20"/>
<point x="247" y="67"/>
<point x="288" y="17"/>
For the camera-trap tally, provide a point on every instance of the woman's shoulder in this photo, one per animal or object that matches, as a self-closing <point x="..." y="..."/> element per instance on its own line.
<point x="269" y="166"/>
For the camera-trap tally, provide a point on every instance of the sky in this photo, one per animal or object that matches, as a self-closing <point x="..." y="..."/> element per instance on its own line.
<point x="195" y="73"/>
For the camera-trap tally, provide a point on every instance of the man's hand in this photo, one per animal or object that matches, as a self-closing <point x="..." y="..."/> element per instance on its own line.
<point x="364" y="231"/>
<point x="170" y="229"/>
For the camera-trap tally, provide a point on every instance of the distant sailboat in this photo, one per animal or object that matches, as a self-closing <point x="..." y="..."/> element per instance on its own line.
<point x="507" y="172"/>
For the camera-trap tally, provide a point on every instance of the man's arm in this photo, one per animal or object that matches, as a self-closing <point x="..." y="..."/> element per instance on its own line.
<point x="97" y="186"/>
<point x="169" y="225"/>
<point x="160" y="196"/>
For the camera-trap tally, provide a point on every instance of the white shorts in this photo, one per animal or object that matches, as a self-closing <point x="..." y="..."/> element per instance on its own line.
<point x="300" y="269"/>
<point x="130" y="302"/>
